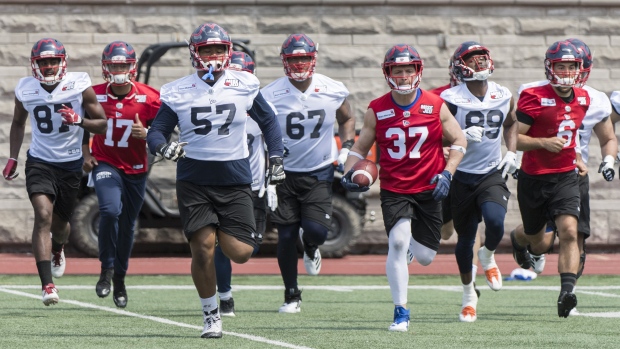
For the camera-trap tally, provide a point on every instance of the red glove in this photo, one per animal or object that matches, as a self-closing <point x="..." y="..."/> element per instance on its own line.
<point x="69" y="116"/>
<point x="9" y="170"/>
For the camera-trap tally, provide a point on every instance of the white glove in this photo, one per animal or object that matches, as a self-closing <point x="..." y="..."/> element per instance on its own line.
<point x="508" y="164"/>
<point x="474" y="134"/>
<point x="272" y="197"/>
<point x="172" y="151"/>
<point x="607" y="168"/>
<point x="342" y="158"/>
<point x="261" y="191"/>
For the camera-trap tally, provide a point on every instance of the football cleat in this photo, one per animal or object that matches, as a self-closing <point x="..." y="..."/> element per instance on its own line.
<point x="120" y="293"/>
<point x="58" y="263"/>
<point x="50" y="295"/>
<point x="520" y="254"/>
<point x="312" y="256"/>
<point x="566" y="302"/>
<point x="468" y="314"/>
<point x="292" y="302"/>
<point x="212" y="324"/>
<point x="538" y="263"/>
<point x="401" y="320"/>
<point x="491" y="270"/>
<point x="227" y="307"/>
<point x="104" y="284"/>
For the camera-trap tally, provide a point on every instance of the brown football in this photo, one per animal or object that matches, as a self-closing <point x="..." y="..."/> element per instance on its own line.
<point x="364" y="173"/>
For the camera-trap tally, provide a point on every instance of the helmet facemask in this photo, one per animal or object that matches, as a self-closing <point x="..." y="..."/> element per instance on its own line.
<point x="398" y="82"/>
<point x="568" y="78"/>
<point x="301" y="69"/>
<point x="483" y="66"/>
<point x="119" y="73"/>
<point x="211" y="62"/>
<point x="41" y="73"/>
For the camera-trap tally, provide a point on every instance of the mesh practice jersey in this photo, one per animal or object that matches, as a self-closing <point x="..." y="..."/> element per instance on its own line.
<point x="307" y="120"/>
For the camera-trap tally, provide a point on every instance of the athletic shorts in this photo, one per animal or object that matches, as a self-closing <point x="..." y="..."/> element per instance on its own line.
<point x="446" y="209"/>
<point x="260" y="212"/>
<point x="303" y="196"/>
<point x="424" y="211"/>
<point x="227" y="208"/>
<point x="62" y="185"/>
<point x="584" y="208"/>
<point x="467" y="199"/>
<point x="543" y="197"/>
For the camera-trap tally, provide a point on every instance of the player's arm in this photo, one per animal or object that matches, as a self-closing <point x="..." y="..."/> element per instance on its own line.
<point x="263" y="114"/>
<point x="454" y="135"/>
<point x="16" y="138"/>
<point x="96" y="122"/>
<point x="159" y="133"/>
<point x="364" y="142"/>
<point x="511" y="128"/>
<point x="609" y="147"/>
<point x="89" y="159"/>
<point x="346" y="124"/>
<point x="526" y="143"/>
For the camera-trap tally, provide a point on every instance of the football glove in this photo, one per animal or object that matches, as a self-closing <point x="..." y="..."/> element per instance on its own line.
<point x="443" y="185"/>
<point x="272" y="197"/>
<point x="9" y="170"/>
<point x="508" y="164"/>
<point x="515" y="174"/>
<point x="607" y="168"/>
<point x="348" y="184"/>
<point x="70" y="117"/>
<point x="474" y="134"/>
<point x="342" y="158"/>
<point x="172" y="151"/>
<point x="275" y="174"/>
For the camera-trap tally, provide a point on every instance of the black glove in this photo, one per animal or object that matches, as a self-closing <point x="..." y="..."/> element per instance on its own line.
<point x="275" y="174"/>
<point x="607" y="169"/>
<point x="172" y="151"/>
<point x="349" y="185"/>
<point x="515" y="175"/>
<point x="443" y="181"/>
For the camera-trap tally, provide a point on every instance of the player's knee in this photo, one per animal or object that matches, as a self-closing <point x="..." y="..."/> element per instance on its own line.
<point x="425" y="258"/>
<point x="314" y="233"/>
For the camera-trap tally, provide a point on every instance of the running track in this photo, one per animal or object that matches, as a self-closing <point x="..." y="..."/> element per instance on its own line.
<point x="444" y="264"/>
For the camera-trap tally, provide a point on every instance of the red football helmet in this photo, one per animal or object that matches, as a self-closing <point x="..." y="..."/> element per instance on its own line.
<point x="586" y="56"/>
<point x="44" y="49"/>
<point x="241" y="61"/>
<point x="402" y="55"/>
<point x="299" y="45"/>
<point x="210" y="34"/>
<point x="116" y="53"/>
<point x="562" y="52"/>
<point x="482" y="59"/>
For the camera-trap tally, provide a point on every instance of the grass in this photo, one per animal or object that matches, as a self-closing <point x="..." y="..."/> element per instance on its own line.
<point x="336" y="317"/>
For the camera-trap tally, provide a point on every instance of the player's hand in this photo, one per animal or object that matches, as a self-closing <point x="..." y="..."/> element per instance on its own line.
<point x="275" y="174"/>
<point x="508" y="164"/>
<point x="137" y="129"/>
<point x="348" y="184"/>
<point x="172" y="151"/>
<point x="582" y="168"/>
<point x="342" y="158"/>
<point x="607" y="168"/>
<point x="515" y="174"/>
<point x="474" y="134"/>
<point x="70" y="117"/>
<point x="272" y="197"/>
<point x="443" y="181"/>
<point x="9" y="170"/>
<point x="89" y="162"/>
<point x="554" y="144"/>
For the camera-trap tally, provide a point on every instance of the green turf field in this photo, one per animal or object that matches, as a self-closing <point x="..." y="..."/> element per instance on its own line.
<point x="337" y="312"/>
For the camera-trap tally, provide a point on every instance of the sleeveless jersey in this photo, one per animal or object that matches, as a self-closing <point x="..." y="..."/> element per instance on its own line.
<point x="51" y="140"/>
<point x="117" y="147"/>
<point x="489" y="113"/>
<point x="600" y="109"/>
<point x="307" y="120"/>
<point x="409" y="140"/>
<point x="552" y="117"/>
<point x="214" y="131"/>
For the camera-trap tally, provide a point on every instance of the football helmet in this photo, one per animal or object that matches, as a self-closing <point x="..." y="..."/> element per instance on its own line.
<point x="562" y="51"/>
<point x="586" y="56"/>
<point x="482" y="59"/>
<point x="44" y="49"/>
<point x="118" y="52"/>
<point x="299" y="45"/>
<point x="210" y="34"/>
<point x="402" y="55"/>
<point x="454" y="81"/>
<point x="241" y="61"/>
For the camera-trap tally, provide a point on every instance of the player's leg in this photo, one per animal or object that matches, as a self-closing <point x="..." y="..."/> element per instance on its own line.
<point x="237" y="229"/>
<point x="223" y="273"/>
<point x="532" y="195"/>
<point x="467" y="231"/>
<point x="397" y="272"/>
<point x="42" y="245"/>
<point x="316" y="211"/>
<point x="68" y="185"/>
<point x="493" y="214"/>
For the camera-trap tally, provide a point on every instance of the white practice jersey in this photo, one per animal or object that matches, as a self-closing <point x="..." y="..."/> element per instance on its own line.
<point x="307" y="120"/>
<point x="212" y="120"/>
<point x="600" y="109"/>
<point x="256" y="148"/>
<point x="489" y="113"/>
<point x="51" y="140"/>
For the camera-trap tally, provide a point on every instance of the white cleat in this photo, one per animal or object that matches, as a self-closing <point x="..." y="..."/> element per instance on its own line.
<point x="291" y="308"/>
<point x="50" y="295"/>
<point x="212" y="324"/>
<point x="468" y="313"/>
<point x="491" y="271"/>
<point x="401" y="320"/>
<point x="58" y="263"/>
<point x="539" y="263"/>
<point x="312" y="265"/>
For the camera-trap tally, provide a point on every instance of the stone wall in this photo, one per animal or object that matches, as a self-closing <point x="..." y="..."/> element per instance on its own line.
<point x="353" y="40"/>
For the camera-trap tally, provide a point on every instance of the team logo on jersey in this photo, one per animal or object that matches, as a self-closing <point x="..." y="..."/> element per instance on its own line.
<point x="119" y="114"/>
<point x="102" y="98"/>
<point x="284" y="92"/>
<point x="321" y="88"/>
<point x="138" y="167"/>
<point x="69" y="86"/>
<point x="385" y="114"/>
<point x="582" y="100"/>
<point x="426" y="109"/>
<point x="462" y="100"/>
<point x="547" y="102"/>
<point x="406" y="114"/>
<point x="74" y="151"/>
<point x="119" y="105"/>
<point x="231" y="82"/>
<point x="141" y="98"/>
<point x="30" y="93"/>
<point x="567" y="117"/>
<point x="405" y="123"/>
<point x="187" y="87"/>
<point x="496" y="95"/>
<point x="567" y="108"/>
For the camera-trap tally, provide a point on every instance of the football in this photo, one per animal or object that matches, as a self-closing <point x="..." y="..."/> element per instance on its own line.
<point x="364" y="173"/>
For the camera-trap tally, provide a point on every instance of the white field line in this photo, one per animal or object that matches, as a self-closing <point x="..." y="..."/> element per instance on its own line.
<point x="156" y="319"/>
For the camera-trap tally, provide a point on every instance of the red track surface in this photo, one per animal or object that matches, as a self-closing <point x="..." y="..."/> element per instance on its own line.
<point x="444" y="264"/>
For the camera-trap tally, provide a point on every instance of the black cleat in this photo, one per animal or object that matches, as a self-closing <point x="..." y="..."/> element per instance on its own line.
<point x="104" y="284"/>
<point x="227" y="307"/>
<point x="566" y="302"/>
<point x="120" y="293"/>
<point x="520" y="254"/>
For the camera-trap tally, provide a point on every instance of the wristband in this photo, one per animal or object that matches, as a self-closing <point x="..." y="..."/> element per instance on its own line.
<point x="357" y="155"/>
<point x="458" y="148"/>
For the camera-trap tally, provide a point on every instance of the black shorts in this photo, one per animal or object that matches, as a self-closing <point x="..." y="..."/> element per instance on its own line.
<point x="543" y="197"/>
<point x="260" y="212"/>
<point x="228" y="208"/>
<point x="424" y="211"/>
<point x="303" y="196"/>
<point x="61" y="184"/>
<point x="466" y="199"/>
<point x="446" y="209"/>
<point x="584" y="208"/>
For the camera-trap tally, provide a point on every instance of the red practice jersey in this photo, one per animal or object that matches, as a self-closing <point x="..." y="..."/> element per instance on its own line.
<point x="117" y="147"/>
<point x="550" y="116"/>
<point x="410" y="143"/>
<point x="437" y="91"/>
